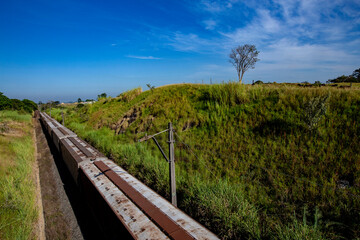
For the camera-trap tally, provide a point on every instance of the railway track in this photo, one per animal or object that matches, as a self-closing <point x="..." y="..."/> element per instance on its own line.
<point x="116" y="196"/>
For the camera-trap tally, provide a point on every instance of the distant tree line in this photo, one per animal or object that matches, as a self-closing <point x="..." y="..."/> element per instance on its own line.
<point x="48" y="104"/>
<point x="17" y="105"/>
<point x="354" y="77"/>
<point x="87" y="100"/>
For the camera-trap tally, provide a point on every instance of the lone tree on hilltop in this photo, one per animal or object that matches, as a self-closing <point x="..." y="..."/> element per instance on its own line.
<point x="243" y="58"/>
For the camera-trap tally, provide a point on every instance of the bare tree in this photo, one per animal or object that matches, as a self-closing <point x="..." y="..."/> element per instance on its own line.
<point x="243" y="58"/>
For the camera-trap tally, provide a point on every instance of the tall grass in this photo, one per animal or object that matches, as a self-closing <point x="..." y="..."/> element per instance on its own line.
<point x="203" y="199"/>
<point x="18" y="212"/>
<point x="14" y="116"/>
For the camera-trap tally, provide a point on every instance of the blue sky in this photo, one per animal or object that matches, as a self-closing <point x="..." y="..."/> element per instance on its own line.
<point x="63" y="50"/>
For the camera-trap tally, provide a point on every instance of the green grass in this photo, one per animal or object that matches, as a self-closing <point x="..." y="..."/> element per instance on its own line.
<point x="14" y="116"/>
<point x="18" y="212"/>
<point x="258" y="163"/>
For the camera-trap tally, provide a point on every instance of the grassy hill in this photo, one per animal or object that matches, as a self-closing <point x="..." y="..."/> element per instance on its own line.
<point x="265" y="161"/>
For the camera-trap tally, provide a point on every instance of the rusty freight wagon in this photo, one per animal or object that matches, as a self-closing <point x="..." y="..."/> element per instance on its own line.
<point x="116" y="196"/>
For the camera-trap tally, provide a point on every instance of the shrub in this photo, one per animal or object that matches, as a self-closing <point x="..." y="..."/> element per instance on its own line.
<point x="315" y="109"/>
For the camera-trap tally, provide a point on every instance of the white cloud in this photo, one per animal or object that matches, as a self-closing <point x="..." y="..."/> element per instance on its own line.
<point x="268" y="23"/>
<point x="287" y="60"/>
<point x="210" y="24"/>
<point x="144" y="57"/>
<point x="263" y="27"/>
<point x="214" y="6"/>
<point x="113" y="44"/>
<point x="212" y="71"/>
<point x="295" y="55"/>
<point x="317" y="19"/>
<point x="307" y="20"/>
<point x="190" y="42"/>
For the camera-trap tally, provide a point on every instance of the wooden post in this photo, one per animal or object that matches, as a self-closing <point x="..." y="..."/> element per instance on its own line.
<point x="170" y="160"/>
<point x="62" y="116"/>
<point x="50" y="109"/>
<point x="172" y="166"/>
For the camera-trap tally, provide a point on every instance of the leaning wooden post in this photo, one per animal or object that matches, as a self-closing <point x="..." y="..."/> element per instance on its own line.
<point x="172" y="166"/>
<point x="62" y="116"/>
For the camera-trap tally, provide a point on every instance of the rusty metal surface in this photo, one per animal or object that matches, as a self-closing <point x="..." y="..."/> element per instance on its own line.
<point x="138" y="224"/>
<point x="56" y="124"/>
<point x="72" y="149"/>
<point x="51" y="125"/>
<point x="57" y="135"/>
<point x="71" y="157"/>
<point x="44" y="115"/>
<point x="43" y="118"/>
<point x="66" y="131"/>
<point x="195" y="229"/>
<point x="62" y="131"/>
<point x="81" y="147"/>
<point x="170" y="227"/>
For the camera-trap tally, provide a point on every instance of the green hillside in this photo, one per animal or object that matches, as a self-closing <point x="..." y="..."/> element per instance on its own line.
<point x="265" y="161"/>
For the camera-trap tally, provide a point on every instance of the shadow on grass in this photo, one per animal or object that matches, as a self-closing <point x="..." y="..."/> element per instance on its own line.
<point x="277" y="127"/>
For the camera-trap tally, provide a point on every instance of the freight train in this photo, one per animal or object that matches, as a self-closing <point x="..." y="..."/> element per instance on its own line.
<point x="115" y="196"/>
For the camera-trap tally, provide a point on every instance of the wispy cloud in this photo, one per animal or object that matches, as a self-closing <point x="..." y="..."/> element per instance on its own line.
<point x="211" y="71"/>
<point x="190" y="42"/>
<point x="210" y="24"/>
<point x="215" y="6"/>
<point x="113" y="44"/>
<point x="144" y="57"/>
<point x="289" y="54"/>
<point x="324" y="20"/>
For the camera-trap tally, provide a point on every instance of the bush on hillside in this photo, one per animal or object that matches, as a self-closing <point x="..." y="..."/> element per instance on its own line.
<point x="258" y="82"/>
<point x="130" y="95"/>
<point x="354" y="77"/>
<point x="17" y="105"/>
<point x="315" y="109"/>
